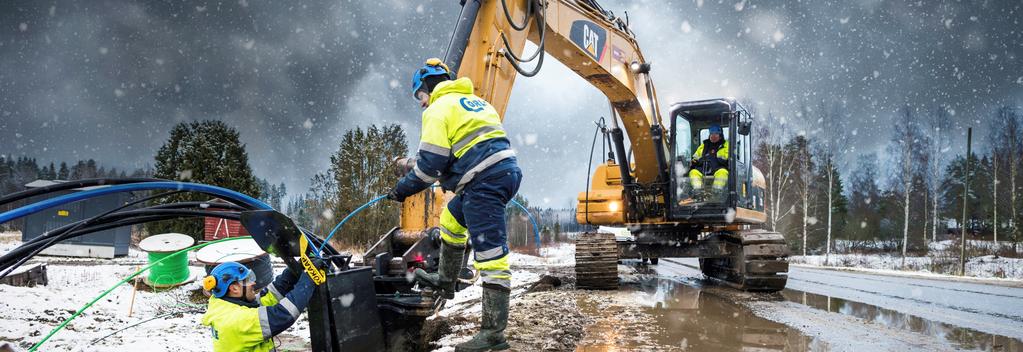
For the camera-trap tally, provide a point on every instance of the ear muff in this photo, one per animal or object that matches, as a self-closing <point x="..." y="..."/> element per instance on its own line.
<point x="209" y="283"/>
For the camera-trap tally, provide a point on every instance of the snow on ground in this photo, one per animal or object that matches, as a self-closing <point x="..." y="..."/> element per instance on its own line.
<point x="559" y="254"/>
<point x="30" y="313"/>
<point x="987" y="266"/>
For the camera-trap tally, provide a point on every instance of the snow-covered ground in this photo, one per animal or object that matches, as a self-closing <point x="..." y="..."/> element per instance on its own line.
<point x="942" y="259"/>
<point x="29" y="313"/>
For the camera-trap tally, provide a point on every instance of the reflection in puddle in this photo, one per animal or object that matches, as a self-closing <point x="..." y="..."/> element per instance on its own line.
<point x="659" y="314"/>
<point x="959" y="337"/>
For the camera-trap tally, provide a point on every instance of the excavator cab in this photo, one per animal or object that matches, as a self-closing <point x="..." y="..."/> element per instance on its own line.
<point x="711" y="186"/>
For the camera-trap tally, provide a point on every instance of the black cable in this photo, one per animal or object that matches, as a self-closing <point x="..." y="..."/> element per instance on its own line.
<point x="82" y="223"/>
<point x="507" y="15"/>
<point x="177" y="205"/>
<point x="123" y="222"/>
<point x="589" y="169"/>
<point x="540" y="49"/>
<point x="63" y="186"/>
<point x="117" y="219"/>
<point x="514" y="60"/>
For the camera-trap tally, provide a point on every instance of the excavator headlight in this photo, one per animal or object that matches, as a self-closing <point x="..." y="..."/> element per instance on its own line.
<point x="614" y="206"/>
<point x="640" y="67"/>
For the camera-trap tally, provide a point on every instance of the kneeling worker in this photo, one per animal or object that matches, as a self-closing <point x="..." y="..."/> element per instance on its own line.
<point x="242" y="320"/>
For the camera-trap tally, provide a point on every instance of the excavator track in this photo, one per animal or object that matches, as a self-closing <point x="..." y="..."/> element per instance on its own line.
<point x="761" y="264"/>
<point x="596" y="261"/>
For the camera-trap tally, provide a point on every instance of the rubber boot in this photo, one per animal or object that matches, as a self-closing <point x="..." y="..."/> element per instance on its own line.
<point x="445" y="278"/>
<point x="492" y="324"/>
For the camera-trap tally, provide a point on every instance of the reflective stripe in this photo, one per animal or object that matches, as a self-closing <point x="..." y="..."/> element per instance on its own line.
<point x="292" y="309"/>
<point x="452" y="234"/>
<point x="483" y="165"/>
<point x="497" y="265"/>
<point x="273" y="290"/>
<point x="448" y="221"/>
<point x="469" y="138"/>
<point x="433" y="148"/>
<point x="264" y="323"/>
<point x="496" y="277"/>
<point x="489" y="254"/>
<point x="423" y="176"/>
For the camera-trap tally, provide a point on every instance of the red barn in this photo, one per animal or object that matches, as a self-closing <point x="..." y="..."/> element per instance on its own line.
<point x="217" y="228"/>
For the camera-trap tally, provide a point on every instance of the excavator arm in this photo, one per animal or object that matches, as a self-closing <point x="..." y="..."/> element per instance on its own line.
<point x="487" y="45"/>
<point x="579" y="34"/>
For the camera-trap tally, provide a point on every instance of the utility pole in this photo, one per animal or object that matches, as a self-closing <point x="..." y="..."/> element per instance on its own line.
<point x="966" y="193"/>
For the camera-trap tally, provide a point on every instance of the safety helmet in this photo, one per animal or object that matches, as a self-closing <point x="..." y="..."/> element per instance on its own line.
<point x="433" y="67"/>
<point x="224" y="275"/>
<point x="715" y="128"/>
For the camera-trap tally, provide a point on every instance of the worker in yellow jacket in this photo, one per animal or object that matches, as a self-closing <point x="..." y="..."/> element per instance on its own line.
<point x="711" y="157"/>
<point x="466" y="149"/>
<point x="242" y="319"/>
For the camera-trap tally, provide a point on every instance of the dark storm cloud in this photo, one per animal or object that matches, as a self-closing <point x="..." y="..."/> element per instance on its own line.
<point x="107" y="79"/>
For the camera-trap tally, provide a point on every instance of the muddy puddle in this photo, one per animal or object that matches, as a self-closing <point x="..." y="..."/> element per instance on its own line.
<point x="657" y="314"/>
<point x="958" y="337"/>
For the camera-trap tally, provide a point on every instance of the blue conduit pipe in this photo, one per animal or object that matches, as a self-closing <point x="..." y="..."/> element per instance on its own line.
<point x="343" y="221"/>
<point x="536" y="229"/>
<point x="145" y="186"/>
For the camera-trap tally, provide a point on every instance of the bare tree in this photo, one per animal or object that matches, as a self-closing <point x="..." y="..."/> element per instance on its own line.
<point x="803" y="161"/>
<point x="832" y="136"/>
<point x="772" y="158"/>
<point x="900" y="150"/>
<point x="939" y="128"/>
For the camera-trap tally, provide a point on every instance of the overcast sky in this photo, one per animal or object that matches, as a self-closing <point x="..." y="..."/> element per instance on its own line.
<point x="107" y="79"/>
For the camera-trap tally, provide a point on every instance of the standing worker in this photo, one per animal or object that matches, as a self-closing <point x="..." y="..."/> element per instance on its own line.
<point x="239" y="319"/>
<point x="465" y="148"/>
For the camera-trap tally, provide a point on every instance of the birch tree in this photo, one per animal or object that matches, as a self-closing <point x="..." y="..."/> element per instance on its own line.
<point x="900" y="152"/>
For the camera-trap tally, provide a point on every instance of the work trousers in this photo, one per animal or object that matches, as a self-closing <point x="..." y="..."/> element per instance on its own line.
<point x="477" y="214"/>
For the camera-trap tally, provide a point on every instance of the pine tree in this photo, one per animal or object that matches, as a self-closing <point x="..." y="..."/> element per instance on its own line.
<point x="360" y="170"/>
<point x="208" y="152"/>
<point x="64" y="173"/>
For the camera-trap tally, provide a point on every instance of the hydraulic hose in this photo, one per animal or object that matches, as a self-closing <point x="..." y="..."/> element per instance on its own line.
<point x="230" y="195"/>
<point x="536" y="229"/>
<point x="119" y="283"/>
<point x="343" y="221"/>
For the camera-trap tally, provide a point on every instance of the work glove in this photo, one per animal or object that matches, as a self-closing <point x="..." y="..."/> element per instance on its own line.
<point x="404" y="165"/>
<point x="393" y="195"/>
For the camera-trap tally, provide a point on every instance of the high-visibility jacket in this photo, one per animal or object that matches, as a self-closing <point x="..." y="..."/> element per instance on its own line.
<point x="462" y="140"/>
<point x="238" y="325"/>
<point x="714" y="155"/>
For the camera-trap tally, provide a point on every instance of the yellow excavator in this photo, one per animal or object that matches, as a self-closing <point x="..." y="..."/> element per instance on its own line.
<point x="646" y="189"/>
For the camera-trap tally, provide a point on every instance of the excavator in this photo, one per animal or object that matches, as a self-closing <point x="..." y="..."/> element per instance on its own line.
<point x="643" y="185"/>
<point x="646" y="189"/>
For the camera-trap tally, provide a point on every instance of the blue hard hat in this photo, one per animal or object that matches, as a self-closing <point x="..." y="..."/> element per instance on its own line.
<point x="432" y="67"/>
<point x="223" y="276"/>
<point x="715" y="128"/>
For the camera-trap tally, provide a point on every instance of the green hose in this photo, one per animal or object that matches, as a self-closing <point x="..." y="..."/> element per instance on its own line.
<point x="171" y="270"/>
<point x="119" y="283"/>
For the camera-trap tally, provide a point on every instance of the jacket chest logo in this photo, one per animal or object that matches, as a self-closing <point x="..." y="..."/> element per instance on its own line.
<point x="472" y="105"/>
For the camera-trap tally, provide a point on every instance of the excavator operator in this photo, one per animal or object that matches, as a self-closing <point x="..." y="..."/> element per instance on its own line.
<point x="710" y="157"/>
<point x="464" y="146"/>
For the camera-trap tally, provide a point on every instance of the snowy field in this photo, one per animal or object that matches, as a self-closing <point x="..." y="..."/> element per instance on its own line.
<point x="942" y="259"/>
<point x="30" y="313"/>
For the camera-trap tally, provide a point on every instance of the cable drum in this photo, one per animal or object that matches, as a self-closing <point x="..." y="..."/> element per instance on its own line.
<point x="245" y="252"/>
<point x="174" y="270"/>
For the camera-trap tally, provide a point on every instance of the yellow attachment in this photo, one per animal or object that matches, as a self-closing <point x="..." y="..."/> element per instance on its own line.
<point x="209" y="283"/>
<point x="315" y="273"/>
<point x="437" y="62"/>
